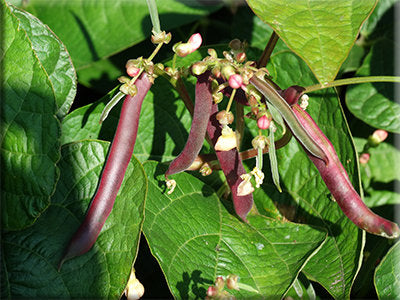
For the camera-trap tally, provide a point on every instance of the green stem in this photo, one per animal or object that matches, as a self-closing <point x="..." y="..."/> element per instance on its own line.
<point x="354" y="80"/>
<point x="228" y="107"/>
<point x="151" y="4"/>
<point x="155" y="51"/>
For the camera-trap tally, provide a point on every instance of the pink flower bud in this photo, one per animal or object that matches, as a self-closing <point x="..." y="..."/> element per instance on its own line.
<point x="235" y="81"/>
<point x="380" y="135"/>
<point x="377" y="137"/>
<point x="263" y="122"/>
<point x="212" y="291"/>
<point x="195" y="41"/>
<point x="364" y="158"/>
<point x="132" y="71"/>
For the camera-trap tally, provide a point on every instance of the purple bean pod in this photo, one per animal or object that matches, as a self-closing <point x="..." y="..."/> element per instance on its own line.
<point x="201" y="114"/>
<point x="118" y="159"/>
<point x="337" y="179"/>
<point x="231" y="165"/>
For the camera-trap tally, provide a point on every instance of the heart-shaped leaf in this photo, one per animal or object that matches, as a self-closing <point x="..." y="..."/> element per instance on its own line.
<point x="320" y="32"/>
<point x="31" y="256"/>
<point x="53" y="56"/>
<point x="196" y="238"/>
<point x="29" y="128"/>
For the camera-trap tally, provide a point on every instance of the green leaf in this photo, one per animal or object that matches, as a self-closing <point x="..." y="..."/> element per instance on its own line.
<point x="53" y="56"/>
<point x="380" y="17"/>
<point x="320" y="32"/>
<point x="305" y="197"/>
<point x="379" y="198"/>
<point x="196" y="238"/>
<point x="163" y="125"/>
<point x="92" y="30"/>
<point x="387" y="275"/>
<point x="29" y="129"/>
<point x="384" y="162"/>
<point x="373" y="102"/>
<point x="31" y="256"/>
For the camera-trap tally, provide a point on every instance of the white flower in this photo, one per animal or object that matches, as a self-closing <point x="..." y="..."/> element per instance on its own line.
<point x="227" y="140"/>
<point x="134" y="289"/>
<point x="245" y="187"/>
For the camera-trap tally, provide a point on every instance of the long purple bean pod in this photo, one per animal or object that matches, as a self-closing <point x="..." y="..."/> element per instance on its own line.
<point x="113" y="174"/>
<point x="201" y="114"/>
<point x="337" y="179"/>
<point x="231" y="165"/>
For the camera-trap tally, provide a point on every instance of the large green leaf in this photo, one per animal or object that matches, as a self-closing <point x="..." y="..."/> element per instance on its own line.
<point x="305" y="197"/>
<point x="321" y="32"/>
<point x="31" y="256"/>
<point x="196" y="238"/>
<point x="92" y="30"/>
<point x="387" y="275"/>
<point x="29" y="128"/>
<point x="53" y="56"/>
<point x="374" y="103"/>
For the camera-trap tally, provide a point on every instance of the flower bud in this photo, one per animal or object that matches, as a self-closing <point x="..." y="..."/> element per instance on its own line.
<point x="134" y="289"/>
<point x="232" y="282"/>
<point x="263" y="122"/>
<point x="183" y="49"/>
<point x="377" y="137"/>
<point x="227" y="71"/>
<point x="128" y="89"/>
<point x="217" y="97"/>
<point x="205" y="169"/>
<point x="124" y="79"/>
<point x="219" y="283"/>
<point x="364" y="158"/>
<point x="241" y="57"/>
<point x="304" y="101"/>
<point x="195" y="41"/>
<point x="235" y="81"/>
<point x="225" y="118"/>
<point x="212" y="53"/>
<point x="212" y="291"/>
<point x="216" y="71"/>
<point x="199" y="68"/>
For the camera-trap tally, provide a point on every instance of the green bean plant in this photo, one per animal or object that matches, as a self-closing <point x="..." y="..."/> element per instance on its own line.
<point x="237" y="149"/>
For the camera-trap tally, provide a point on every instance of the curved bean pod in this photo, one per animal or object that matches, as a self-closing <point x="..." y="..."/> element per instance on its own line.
<point x="232" y="166"/>
<point x="120" y="154"/>
<point x="338" y="182"/>
<point x="201" y="114"/>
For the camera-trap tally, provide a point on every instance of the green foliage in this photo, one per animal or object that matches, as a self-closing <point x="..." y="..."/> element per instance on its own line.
<point x="312" y="31"/>
<point x="387" y="279"/>
<point x="52" y="159"/>
<point x="103" y="271"/>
